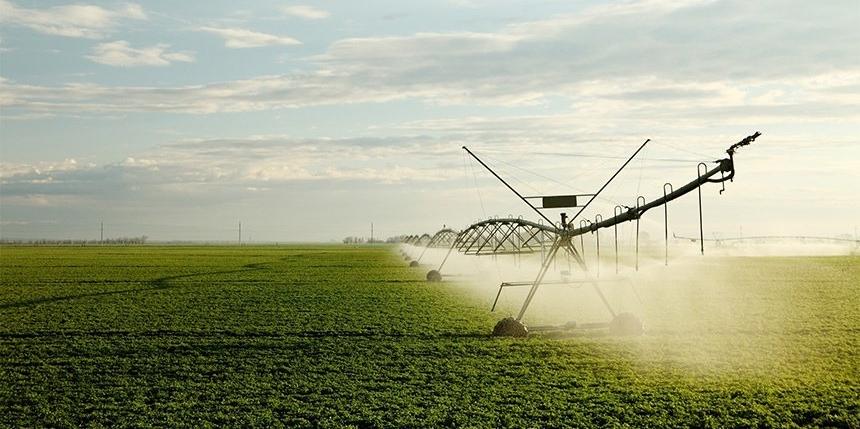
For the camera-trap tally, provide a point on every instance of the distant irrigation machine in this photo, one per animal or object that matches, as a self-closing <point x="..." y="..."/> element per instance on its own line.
<point x="513" y="236"/>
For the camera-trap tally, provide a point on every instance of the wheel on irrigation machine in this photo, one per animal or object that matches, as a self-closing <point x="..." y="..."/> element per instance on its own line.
<point x="626" y="324"/>
<point x="434" y="276"/>
<point x="413" y="264"/>
<point x="510" y="327"/>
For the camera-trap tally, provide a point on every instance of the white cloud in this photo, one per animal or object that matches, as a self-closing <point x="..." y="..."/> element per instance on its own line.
<point x="121" y="54"/>
<point x="69" y="164"/>
<point x="305" y="183"/>
<point x="768" y="60"/>
<point x="204" y="166"/>
<point x="275" y="159"/>
<point x="77" y="20"/>
<point x="194" y="172"/>
<point x="417" y="50"/>
<point x="697" y="75"/>
<point x="423" y="178"/>
<point x="810" y="98"/>
<point x="305" y="12"/>
<point x="242" y="38"/>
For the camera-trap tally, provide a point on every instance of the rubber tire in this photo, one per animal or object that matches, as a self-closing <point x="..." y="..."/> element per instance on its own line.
<point x="626" y="324"/>
<point x="510" y="327"/>
<point x="434" y="276"/>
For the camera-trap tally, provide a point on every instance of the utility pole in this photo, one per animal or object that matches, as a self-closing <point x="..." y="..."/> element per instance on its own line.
<point x="101" y="232"/>
<point x="371" y="232"/>
<point x="240" y="233"/>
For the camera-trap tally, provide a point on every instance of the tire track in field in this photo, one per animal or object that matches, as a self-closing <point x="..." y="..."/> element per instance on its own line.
<point x="154" y="284"/>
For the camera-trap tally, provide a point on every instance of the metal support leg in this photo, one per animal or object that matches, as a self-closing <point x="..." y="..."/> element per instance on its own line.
<point x="424" y="251"/>
<point x="544" y="268"/>
<point x="451" y="249"/>
<point x="496" y="301"/>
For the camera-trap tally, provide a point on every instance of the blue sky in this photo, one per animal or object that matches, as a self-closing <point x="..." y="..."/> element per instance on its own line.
<point x="308" y="121"/>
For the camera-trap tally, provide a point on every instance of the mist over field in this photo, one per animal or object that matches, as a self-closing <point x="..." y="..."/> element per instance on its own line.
<point x="738" y="310"/>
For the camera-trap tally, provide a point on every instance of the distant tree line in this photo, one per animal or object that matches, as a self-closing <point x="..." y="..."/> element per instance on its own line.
<point x="68" y="242"/>
<point x="363" y="240"/>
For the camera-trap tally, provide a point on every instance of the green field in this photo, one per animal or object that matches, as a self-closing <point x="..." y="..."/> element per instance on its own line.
<point x="332" y="336"/>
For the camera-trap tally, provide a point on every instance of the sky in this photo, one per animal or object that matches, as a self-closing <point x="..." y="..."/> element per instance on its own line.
<point x="310" y="121"/>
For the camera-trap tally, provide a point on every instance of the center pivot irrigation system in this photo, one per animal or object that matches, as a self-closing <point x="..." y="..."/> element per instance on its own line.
<point x="517" y="236"/>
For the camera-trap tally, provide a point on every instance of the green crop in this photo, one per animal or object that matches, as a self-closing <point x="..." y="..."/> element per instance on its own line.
<point x="334" y="336"/>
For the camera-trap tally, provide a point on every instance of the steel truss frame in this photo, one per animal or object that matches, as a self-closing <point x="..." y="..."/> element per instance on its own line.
<point x="516" y="236"/>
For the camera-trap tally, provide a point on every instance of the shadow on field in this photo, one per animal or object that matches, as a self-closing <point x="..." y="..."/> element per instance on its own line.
<point x="155" y="284"/>
<point x="371" y="334"/>
<point x="566" y="334"/>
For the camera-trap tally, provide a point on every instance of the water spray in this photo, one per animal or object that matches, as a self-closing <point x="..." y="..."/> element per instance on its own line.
<point x="517" y="236"/>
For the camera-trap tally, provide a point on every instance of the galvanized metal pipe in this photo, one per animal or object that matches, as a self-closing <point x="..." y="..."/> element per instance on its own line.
<point x="597" y="218"/>
<point x="666" y="222"/>
<point x="639" y="198"/>
<point x="616" y="212"/>
<point x="701" y="225"/>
